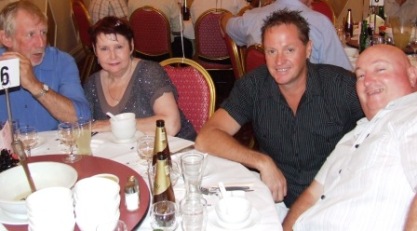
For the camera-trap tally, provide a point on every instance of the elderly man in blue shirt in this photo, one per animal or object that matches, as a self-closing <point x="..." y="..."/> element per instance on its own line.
<point x="246" y="30"/>
<point x="50" y="88"/>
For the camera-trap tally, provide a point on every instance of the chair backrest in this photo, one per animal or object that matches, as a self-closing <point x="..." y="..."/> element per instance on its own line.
<point x="235" y="54"/>
<point x="208" y="38"/>
<point x="152" y="36"/>
<point x="254" y="57"/>
<point x="82" y="21"/>
<point x="195" y="88"/>
<point x="323" y="7"/>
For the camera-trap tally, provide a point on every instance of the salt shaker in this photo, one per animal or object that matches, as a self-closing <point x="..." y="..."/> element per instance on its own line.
<point x="132" y="194"/>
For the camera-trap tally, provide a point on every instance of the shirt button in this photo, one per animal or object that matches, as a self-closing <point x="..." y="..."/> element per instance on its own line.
<point x="322" y="197"/>
<point x="340" y="171"/>
<point x="357" y="146"/>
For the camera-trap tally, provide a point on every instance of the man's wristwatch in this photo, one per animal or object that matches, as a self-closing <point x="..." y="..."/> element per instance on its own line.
<point x="45" y="89"/>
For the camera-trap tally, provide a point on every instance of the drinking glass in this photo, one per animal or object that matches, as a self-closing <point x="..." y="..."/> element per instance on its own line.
<point x="401" y="32"/>
<point x="68" y="133"/>
<point x="29" y="138"/>
<point x="164" y="216"/>
<point x="145" y="146"/>
<point x="194" y="213"/>
<point x="84" y="139"/>
<point x="192" y="170"/>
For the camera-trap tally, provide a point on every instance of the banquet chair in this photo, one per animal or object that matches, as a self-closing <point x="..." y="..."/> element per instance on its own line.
<point x="254" y="57"/>
<point x="82" y="21"/>
<point x="235" y="54"/>
<point x="195" y="88"/>
<point x="323" y="7"/>
<point x="152" y="33"/>
<point x="211" y="51"/>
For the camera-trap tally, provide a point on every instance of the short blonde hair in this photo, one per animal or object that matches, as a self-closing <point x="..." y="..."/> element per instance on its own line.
<point x="9" y="12"/>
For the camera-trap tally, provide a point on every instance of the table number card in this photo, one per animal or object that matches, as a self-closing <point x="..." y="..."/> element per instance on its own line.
<point x="6" y="137"/>
<point x="9" y="73"/>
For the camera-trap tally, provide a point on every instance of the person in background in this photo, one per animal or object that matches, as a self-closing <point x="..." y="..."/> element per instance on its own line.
<point x="50" y="90"/>
<point x="404" y="9"/>
<point x="369" y="181"/>
<point x="327" y="48"/>
<point x="101" y="8"/>
<point x="298" y="110"/>
<point x="172" y="11"/>
<point x="127" y="84"/>
<point x="200" y="6"/>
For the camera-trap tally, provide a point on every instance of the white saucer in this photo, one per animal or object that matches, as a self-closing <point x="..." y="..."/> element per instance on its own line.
<point x="8" y="220"/>
<point x="250" y="222"/>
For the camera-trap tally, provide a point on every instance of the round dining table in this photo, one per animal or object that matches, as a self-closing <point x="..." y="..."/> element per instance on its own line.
<point x="122" y="159"/>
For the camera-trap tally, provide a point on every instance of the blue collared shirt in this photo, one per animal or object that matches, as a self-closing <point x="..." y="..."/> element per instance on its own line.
<point x="57" y="70"/>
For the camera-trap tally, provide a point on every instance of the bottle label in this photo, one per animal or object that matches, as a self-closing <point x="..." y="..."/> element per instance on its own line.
<point x="162" y="180"/>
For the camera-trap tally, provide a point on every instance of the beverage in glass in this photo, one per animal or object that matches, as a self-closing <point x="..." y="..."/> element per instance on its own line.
<point x="163" y="215"/>
<point x="29" y="138"/>
<point x="84" y="139"/>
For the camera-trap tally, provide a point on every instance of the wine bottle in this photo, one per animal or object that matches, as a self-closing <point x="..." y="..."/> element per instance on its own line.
<point x="161" y="142"/>
<point x="162" y="189"/>
<point x="381" y="12"/>
<point x="349" y="24"/>
<point x="185" y="11"/>
<point x="363" y="38"/>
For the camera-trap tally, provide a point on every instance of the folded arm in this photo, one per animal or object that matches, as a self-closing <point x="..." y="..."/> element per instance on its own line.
<point x="307" y="199"/>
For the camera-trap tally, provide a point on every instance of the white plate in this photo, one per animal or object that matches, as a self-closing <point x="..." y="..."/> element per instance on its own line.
<point x="6" y="219"/>
<point x="216" y="222"/>
<point x="41" y="142"/>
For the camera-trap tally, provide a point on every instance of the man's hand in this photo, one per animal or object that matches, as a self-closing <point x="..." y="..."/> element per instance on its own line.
<point x="272" y="176"/>
<point x="28" y="79"/>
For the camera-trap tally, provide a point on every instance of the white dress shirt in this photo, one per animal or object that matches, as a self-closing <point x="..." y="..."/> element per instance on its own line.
<point x="370" y="178"/>
<point x="200" y="6"/>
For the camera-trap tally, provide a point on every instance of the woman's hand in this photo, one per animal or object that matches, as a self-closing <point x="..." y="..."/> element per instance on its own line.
<point x="101" y="126"/>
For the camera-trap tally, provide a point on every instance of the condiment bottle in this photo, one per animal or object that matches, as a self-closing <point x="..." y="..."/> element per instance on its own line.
<point x="132" y="194"/>
<point x="161" y="142"/>
<point x="185" y="11"/>
<point x="162" y="189"/>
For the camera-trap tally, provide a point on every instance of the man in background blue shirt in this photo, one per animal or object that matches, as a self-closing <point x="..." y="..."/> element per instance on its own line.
<point x="246" y="30"/>
<point x="50" y="89"/>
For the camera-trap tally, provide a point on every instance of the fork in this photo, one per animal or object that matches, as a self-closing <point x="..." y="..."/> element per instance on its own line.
<point x="216" y="190"/>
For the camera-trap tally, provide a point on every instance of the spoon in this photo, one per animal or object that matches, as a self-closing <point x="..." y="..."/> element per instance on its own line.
<point x="111" y="115"/>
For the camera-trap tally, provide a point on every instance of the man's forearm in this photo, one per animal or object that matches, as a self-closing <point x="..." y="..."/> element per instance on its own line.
<point x="60" y="107"/>
<point x="411" y="222"/>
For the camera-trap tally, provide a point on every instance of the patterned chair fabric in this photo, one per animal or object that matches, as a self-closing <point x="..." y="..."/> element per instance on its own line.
<point x="211" y="50"/>
<point x="195" y="89"/>
<point x="152" y="36"/>
<point x="323" y="7"/>
<point x="254" y="57"/>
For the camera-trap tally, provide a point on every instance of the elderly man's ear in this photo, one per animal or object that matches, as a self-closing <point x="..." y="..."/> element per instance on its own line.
<point x="412" y="76"/>
<point x="5" y="40"/>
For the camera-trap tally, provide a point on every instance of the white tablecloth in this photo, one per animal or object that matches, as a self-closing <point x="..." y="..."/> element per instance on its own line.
<point x="217" y="169"/>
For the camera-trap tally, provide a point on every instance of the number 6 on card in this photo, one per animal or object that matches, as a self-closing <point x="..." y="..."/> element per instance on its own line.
<point x="9" y="73"/>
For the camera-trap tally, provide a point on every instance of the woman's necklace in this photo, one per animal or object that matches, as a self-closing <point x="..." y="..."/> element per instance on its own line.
<point x="123" y="87"/>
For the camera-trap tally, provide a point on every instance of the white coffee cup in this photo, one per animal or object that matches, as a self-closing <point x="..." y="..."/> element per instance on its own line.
<point x="123" y="126"/>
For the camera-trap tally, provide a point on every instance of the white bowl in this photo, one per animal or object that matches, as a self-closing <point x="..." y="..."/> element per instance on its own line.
<point x="233" y="209"/>
<point x="15" y="187"/>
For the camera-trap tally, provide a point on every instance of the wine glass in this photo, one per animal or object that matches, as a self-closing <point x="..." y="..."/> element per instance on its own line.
<point x="68" y="133"/>
<point x="29" y="138"/>
<point x="145" y="146"/>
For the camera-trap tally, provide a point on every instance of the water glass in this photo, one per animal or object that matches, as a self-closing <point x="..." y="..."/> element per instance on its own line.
<point x="194" y="213"/>
<point x="145" y="146"/>
<point x="29" y="138"/>
<point x="68" y="133"/>
<point x="192" y="170"/>
<point x="164" y="215"/>
<point x="84" y="139"/>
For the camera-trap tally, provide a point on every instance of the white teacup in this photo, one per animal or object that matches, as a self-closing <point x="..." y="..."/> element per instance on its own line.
<point x="123" y="126"/>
